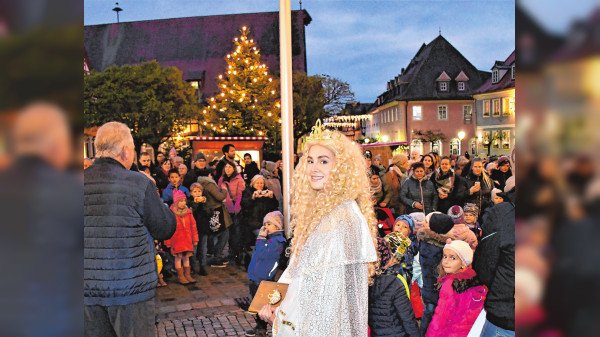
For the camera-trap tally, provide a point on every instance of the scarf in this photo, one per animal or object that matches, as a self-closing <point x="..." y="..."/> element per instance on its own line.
<point x="444" y="181"/>
<point x="376" y="188"/>
<point x="181" y="212"/>
<point x="398" y="171"/>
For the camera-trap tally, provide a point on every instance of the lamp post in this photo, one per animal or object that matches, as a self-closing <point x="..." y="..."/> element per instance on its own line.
<point x="461" y="136"/>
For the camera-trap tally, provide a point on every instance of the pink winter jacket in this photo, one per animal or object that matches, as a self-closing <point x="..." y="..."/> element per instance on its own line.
<point x="461" y="301"/>
<point x="236" y="186"/>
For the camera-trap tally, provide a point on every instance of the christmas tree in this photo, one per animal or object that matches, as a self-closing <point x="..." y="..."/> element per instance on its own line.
<point x="248" y="102"/>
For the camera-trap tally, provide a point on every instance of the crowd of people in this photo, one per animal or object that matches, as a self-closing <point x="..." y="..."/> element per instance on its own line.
<point x="445" y="233"/>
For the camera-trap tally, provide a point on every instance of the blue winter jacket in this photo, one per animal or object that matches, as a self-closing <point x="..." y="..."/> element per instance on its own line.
<point x="265" y="260"/>
<point x="167" y="195"/>
<point x="123" y="215"/>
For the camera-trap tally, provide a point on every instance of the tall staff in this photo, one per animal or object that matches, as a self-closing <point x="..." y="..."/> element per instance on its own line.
<point x="285" y="51"/>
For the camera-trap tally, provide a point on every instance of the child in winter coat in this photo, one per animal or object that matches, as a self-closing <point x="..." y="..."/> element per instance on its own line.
<point x="196" y="203"/>
<point x="174" y="185"/>
<point x="496" y="198"/>
<point x="470" y="215"/>
<point x="185" y="238"/>
<point x="270" y="244"/>
<point x="432" y="237"/>
<point x="390" y="309"/>
<point x="461" y="294"/>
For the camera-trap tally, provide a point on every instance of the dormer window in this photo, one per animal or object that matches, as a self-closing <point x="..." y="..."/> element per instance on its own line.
<point x="443" y="79"/>
<point x="461" y="79"/>
<point x="495" y="76"/>
<point x="512" y="72"/>
<point x="461" y="86"/>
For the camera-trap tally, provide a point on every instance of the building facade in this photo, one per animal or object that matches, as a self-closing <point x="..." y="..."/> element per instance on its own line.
<point x="430" y="104"/>
<point x="495" y="111"/>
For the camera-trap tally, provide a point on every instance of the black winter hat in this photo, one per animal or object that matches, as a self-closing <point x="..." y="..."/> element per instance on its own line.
<point x="199" y="155"/>
<point x="441" y="223"/>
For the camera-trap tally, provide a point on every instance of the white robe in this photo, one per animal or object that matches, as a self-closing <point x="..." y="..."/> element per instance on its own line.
<point x="328" y="291"/>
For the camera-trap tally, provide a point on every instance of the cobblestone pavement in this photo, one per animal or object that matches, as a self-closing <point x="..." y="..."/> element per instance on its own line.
<point x="206" y="308"/>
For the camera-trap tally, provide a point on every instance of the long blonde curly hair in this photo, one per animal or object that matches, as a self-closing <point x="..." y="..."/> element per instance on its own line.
<point x="348" y="181"/>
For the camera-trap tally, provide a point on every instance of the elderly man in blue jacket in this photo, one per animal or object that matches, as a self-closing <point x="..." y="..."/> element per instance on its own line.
<point x="123" y="215"/>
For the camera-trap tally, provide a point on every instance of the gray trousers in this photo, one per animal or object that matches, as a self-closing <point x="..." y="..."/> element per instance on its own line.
<point x="132" y="320"/>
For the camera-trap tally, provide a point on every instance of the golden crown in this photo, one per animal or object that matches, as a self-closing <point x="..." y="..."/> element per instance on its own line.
<point x="319" y="132"/>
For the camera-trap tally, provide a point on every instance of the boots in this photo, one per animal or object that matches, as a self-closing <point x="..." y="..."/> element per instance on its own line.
<point x="181" y="277"/>
<point x="161" y="281"/>
<point x="188" y="275"/>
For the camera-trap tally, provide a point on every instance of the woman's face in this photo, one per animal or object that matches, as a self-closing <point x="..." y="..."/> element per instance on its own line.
<point x="166" y="165"/>
<point x="419" y="173"/>
<point x="160" y="157"/>
<point x="377" y="161"/>
<point x="374" y="179"/>
<point x="470" y="218"/>
<point x="259" y="184"/>
<point x="504" y="168"/>
<point x="451" y="262"/>
<point x="229" y="170"/>
<point x="477" y="168"/>
<point x="369" y="162"/>
<point x="445" y="165"/>
<point x="427" y="161"/>
<point x="320" y="161"/>
<point x="182" y="170"/>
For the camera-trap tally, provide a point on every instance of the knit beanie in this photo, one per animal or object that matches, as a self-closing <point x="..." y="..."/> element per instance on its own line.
<point x="172" y="150"/>
<point x="385" y="253"/>
<point x="177" y="195"/>
<point x="471" y="209"/>
<point x="199" y="156"/>
<point x="399" y="159"/>
<point x="495" y="192"/>
<point x="428" y="216"/>
<point x="276" y="218"/>
<point x="270" y="166"/>
<point x="456" y="213"/>
<point x="419" y="219"/>
<point x="409" y="221"/>
<point x="503" y="160"/>
<point x="377" y="157"/>
<point x="462" y="249"/>
<point x="441" y="223"/>
<point x="398" y="244"/>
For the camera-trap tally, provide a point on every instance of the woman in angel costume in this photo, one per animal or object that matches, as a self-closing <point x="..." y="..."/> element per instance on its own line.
<point x="333" y="258"/>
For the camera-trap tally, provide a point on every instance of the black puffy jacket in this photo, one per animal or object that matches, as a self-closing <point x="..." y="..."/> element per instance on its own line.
<point x="123" y="215"/>
<point x="494" y="262"/>
<point x="254" y="210"/>
<point x="390" y="311"/>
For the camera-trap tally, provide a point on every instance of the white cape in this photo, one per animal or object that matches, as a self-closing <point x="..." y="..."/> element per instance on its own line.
<point x="328" y="292"/>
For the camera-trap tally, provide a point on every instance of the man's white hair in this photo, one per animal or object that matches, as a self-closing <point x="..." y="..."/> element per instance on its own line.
<point x="111" y="138"/>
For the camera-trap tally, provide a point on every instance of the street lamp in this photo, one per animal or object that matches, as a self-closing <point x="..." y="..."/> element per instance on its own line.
<point x="461" y="135"/>
<point x="384" y="139"/>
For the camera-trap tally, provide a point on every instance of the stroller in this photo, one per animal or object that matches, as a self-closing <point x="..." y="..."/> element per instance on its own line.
<point x="385" y="220"/>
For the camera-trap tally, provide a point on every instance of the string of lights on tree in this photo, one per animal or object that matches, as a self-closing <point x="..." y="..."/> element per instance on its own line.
<point x="248" y="103"/>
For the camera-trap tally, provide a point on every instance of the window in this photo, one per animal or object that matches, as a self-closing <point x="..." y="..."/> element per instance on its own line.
<point x="443" y="86"/>
<point x="194" y="84"/>
<point x="442" y="112"/>
<point x="486" y="137"/>
<point x="486" y="108"/>
<point x="467" y="112"/>
<point x="495" y="76"/>
<point x="436" y="147"/>
<point x="505" y="139"/>
<point x="512" y="72"/>
<point x="417" y="145"/>
<point x="496" y="139"/>
<point x="417" y="116"/>
<point x="508" y="105"/>
<point x="455" y="146"/>
<point x="496" y="106"/>
<point x="473" y="146"/>
<point x="461" y="86"/>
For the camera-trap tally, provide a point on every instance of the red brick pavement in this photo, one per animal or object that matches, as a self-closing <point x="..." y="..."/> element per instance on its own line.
<point x="206" y="308"/>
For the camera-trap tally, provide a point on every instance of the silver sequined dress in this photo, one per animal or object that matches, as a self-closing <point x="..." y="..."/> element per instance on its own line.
<point x="328" y="291"/>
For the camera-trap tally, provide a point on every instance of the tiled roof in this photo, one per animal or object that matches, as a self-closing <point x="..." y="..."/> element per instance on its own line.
<point x="506" y="82"/>
<point x="443" y="77"/>
<point x="195" y="45"/>
<point x="462" y="76"/>
<point x="418" y="80"/>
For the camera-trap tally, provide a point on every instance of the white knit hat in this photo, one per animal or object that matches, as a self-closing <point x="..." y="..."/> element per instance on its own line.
<point x="462" y="249"/>
<point x="276" y="218"/>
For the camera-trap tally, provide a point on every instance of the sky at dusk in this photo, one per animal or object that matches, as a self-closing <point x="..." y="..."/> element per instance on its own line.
<point x="365" y="43"/>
